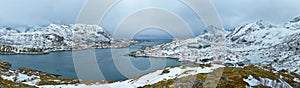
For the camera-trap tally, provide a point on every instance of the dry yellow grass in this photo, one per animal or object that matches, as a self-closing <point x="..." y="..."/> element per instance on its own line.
<point x="231" y="78"/>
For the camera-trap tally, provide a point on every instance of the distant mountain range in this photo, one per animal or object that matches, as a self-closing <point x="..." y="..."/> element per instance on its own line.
<point x="260" y="43"/>
<point x="39" y="40"/>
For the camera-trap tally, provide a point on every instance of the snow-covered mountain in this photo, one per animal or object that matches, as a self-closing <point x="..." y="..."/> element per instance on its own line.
<point x="258" y="43"/>
<point x="54" y="37"/>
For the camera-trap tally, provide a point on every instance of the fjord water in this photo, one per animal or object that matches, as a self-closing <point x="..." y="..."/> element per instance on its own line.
<point x="61" y="63"/>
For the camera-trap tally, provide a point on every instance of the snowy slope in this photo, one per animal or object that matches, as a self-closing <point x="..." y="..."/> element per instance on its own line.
<point x="272" y="45"/>
<point x="53" y="38"/>
<point x="260" y="35"/>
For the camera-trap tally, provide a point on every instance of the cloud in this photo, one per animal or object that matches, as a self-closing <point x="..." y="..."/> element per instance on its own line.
<point x="237" y="12"/>
<point x="128" y="7"/>
<point x="38" y="12"/>
<point x="232" y="12"/>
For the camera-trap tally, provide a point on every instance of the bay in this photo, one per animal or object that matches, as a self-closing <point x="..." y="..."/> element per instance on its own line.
<point x="61" y="63"/>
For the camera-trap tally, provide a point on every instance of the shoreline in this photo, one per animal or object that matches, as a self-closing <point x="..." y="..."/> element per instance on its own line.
<point x="146" y="80"/>
<point x="51" y="51"/>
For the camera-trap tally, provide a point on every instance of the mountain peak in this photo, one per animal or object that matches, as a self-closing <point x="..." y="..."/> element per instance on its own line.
<point x="294" y="24"/>
<point x="254" y="26"/>
<point x="296" y="19"/>
<point x="213" y="29"/>
<point x="263" y="24"/>
<point x="260" y="22"/>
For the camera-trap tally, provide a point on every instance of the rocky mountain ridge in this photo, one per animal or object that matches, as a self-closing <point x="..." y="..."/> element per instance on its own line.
<point x="258" y="43"/>
<point x="40" y="40"/>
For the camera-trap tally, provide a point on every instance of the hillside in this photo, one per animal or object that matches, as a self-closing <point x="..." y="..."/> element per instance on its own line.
<point x="259" y="43"/>
<point x="40" y="40"/>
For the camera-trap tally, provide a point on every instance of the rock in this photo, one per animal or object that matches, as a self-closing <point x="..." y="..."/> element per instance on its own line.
<point x="296" y="85"/>
<point x="199" y="83"/>
<point x="243" y="63"/>
<point x="229" y="64"/>
<point x="224" y="78"/>
<point x="297" y="19"/>
<point x="165" y="71"/>
<point x="206" y="60"/>
<point x="5" y="65"/>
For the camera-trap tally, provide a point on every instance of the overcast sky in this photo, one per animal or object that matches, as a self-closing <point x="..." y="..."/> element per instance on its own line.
<point x="232" y="12"/>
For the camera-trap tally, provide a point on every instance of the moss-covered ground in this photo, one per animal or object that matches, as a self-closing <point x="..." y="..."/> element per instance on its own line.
<point x="232" y="77"/>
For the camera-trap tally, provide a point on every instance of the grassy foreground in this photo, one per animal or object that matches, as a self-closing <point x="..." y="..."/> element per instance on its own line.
<point x="231" y="77"/>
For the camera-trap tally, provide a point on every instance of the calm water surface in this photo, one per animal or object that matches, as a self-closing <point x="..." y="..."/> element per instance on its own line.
<point x="61" y="63"/>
